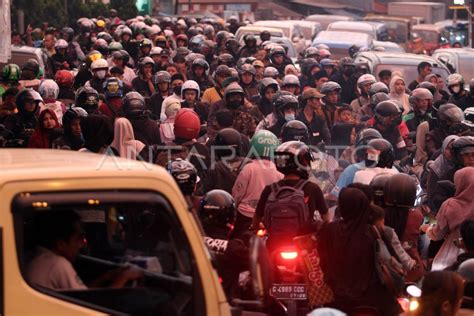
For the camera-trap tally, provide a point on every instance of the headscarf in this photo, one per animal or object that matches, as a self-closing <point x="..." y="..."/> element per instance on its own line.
<point x="402" y="98"/>
<point x="41" y="136"/>
<point x="354" y="207"/>
<point x="124" y="139"/>
<point x="98" y="132"/>
<point x="441" y="165"/>
<point x="462" y="202"/>
<point x="437" y="96"/>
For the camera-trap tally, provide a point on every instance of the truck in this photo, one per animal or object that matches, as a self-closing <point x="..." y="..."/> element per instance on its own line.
<point x="431" y="12"/>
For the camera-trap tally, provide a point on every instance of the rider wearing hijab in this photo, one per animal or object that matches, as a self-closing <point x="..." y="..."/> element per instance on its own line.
<point x="124" y="140"/>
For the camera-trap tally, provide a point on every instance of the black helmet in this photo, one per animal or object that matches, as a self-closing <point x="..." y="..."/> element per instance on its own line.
<point x="294" y="157"/>
<point x="400" y="191"/>
<point x="234" y="88"/>
<point x="133" y="104"/>
<point x="184" y="173"/>
<point x="199" y="62"/>
<point x="330" y="86"/>
<point x="73" y="113"/>
<point x="231" y="142"/>
<point x="378" y="87"/>
<point x="388" y="113"/>
<point x="379" y="153"/>
<point x="217" y="212"/>
<point x="284" y="99"/>
<point x="232" y="45"/>
<point x="378" y="185"/>
<point x="428" y="85"/>
<point x="353" y="50"/>
<point x="88" y="99"/>
<point x="247" y="68"/>
<point x="221" y="36"/>
<point x="226" y="59"/>
<point x="367" y="135"/>
<point x="346" y="61"/>
<point x="307" y="64"/>
<point x="26" y="95"/>
<point x="463" y="145"/>
<point x="294" y="130"/>
<point x="310" y="52"/>
<point x="448" y="115"/>
<point x="265" y="35"/>
<point x="378" y="97"/>
<point x="31" y="65"/>
<point x="67" y="33"/>
<point x="250" y="38"/>
<point x="266" y="83"/>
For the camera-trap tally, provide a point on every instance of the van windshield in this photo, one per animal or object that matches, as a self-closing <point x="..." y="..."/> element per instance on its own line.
<point x="409" y="72"/>
<point x="428" y="36"/>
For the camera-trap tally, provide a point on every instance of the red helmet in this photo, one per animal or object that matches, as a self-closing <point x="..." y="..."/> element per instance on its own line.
<point x="187" y="124"/>
<point x="64" y="78"/>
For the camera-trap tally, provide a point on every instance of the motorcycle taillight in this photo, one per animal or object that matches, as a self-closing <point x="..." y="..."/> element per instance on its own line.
<point x="288" y="255"/>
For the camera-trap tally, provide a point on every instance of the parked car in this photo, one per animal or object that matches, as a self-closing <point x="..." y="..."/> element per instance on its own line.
<point x="398" y="28"/>
<point x="340" y="42"/>
<point x="460" y="60"/>
<point x="256" y="30"/>
<point x="326" y="19"/>
<point x="290" y="29"/>
<point x="404" y="63"/>
<point x="21" y="54"/>
<point x="131" y="213"/>
<point x="377" y="30"/>
<point x="386" y="46"/>
<point x="433" y="36"/>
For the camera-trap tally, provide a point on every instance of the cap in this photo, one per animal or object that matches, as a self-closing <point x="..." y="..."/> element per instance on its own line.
<point x="258" y="63"/>
<point x="312" y="93"/>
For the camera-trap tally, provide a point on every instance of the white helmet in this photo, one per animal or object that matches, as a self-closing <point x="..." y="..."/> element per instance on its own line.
<point x="99" y="64"/>
<point x="290" y="80"/>
<point x="49" y="89"/>
<point x="190" y="85"/>
<point x="60" y="44"/>
<point x="365" y="79"/>
<point x="169" y="33"/>
<point x="469" y="117"/>
<point x="155" y="51"/>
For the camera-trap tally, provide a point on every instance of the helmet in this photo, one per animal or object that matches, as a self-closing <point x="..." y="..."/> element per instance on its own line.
<point x="428" y="85"/>
<point x="366" y="135"/>
<point x="67" y="33"/>
<point x="11" y="73"/>
<point x="294" y="130"/>
<point x="102" y="46"/>
<point x="73" y="113"/>
<point x="388" y="113"/>
<point x="293" y="157"/>
<point x="146" y="61"/>
<point x="277" y="50"/>
<point x="99" y="64"/>
<point x="461" y="145"/>
<point x="420" y="94"/>
<point x="250" y="38"/>
<point x="31" y="65"/>
<point x="448" y="115"/>
<point x="201" y="63"/>
<point x="184" y="173"/>
<point x="271" y="72"/>
<point x="182" y="37"/>
<point x="161" y="76"/>
<point x="25" y="95"/>
<point x="311" y="52"/>
<point x="60" y="44"/>
<point x="105" y="36"/>
<point x="49" y="89"/>
<point x="353" y="50"/>
<point x="455" y="79"/>
<point x="264" y="144"/>
<point x="155" y="51"/>
<point x="217" y="212"/>
<point x="265" y="34"/>
<point x="115" y="46"/>
<point x="232" y="45"/>
<point x="187" y="124"/>
<point x="190" y="85"/>
<point x="146" y="43"/>
<point x="225" y="59"/>
<point x="268" y="82"/>
<point x="290" y="80"/>
<point x="247" y="69"/>
<point x="64" y="78"/>
<point x="324" y="53"/>
<point x="93" y="56"/>
<point x="113" y="88"/>
<point x="378" y="97"/>
<point x="88" y="99"/>
<point x="365" y="80"/>
<point x="126" y="31"/>
<point x="133" y="105"/>
<point x="231" y="140"/>
<point x="378" y="87"/>
<point x="330" y="86"/>
<point x="469" y="117"/>
<point x="346" y="61"/>
<point x="400" y="191"/>
<point x="326" y="62"/>
<point x="221" y="36"/>
<point x="284" y="100"/>
<point x="234" y="88"/>
<point x="307" y="65"/>
<point x="378" y="185"/>
<point x="379" y="153"/>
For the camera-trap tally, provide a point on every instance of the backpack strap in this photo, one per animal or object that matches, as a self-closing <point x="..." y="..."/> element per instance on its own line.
<point x="301" y="184"/>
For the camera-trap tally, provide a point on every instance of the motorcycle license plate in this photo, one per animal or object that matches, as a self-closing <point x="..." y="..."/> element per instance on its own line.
<point x="288" y="291"/>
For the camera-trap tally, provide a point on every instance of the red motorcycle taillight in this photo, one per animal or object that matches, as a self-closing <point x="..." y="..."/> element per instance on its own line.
<point x="289" y="255"/>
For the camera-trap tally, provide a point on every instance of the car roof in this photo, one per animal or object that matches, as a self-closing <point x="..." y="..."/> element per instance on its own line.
<point x="25" y="49"/>
<point x="362" y="25"/>
<point x="259" y="28"/>
<point x="427" y="27"/>
<point x="388" y="57"/>
<point x="305" y="23"/>
<point x="329" y="17"/>
<point x="37" y="164"/>
<point x="275" y="22"/>
<point x="376" y="17"/>
<point x="459" y="51"/>
<point x="343" y="38"/>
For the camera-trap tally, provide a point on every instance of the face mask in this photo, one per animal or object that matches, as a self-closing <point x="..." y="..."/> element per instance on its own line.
<point x="234" y="104"/>
<point x="289" y="117"/>
<point x="101" y="74"/>
<point x="456" y="89"/>
<point x="177" y="90"/>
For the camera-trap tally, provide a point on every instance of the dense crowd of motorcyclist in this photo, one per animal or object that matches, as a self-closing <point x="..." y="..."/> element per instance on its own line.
<point x="235" y="123"/>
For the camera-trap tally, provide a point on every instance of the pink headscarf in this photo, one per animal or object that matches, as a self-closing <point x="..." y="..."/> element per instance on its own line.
<point x="124" y="139"/>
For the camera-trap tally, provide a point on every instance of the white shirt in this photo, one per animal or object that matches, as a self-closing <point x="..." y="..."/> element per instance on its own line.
<point x="366" y="175"/>
<point x="52" y="271"/>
